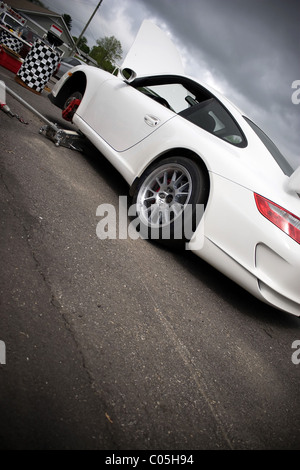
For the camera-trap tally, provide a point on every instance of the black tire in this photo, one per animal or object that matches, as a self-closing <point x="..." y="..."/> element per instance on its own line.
<point x="169" y="200"/>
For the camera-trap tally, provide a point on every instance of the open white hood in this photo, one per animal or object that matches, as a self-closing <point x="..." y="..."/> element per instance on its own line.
<point x="153" y="53"/>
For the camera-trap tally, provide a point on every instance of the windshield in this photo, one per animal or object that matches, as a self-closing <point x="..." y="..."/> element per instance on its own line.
<point x="71" y="60"/>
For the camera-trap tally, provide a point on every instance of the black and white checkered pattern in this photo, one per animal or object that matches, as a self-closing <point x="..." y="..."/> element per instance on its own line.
<point x="38" y="66"/>
<point x="13" y="43"/>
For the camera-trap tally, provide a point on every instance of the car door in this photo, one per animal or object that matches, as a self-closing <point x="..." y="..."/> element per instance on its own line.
<point x="123" y="116"/>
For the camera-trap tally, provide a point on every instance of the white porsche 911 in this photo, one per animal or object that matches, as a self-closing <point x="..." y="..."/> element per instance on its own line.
<point x="180" y="144"/>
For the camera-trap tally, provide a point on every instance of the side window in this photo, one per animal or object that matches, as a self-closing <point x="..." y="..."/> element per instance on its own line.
<point x="211" y="116"/>
<point x="175" y="94"/>
<point x="172" y="95"/>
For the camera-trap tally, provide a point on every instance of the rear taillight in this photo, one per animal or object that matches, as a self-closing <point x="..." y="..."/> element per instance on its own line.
<point x="283" y="219"/>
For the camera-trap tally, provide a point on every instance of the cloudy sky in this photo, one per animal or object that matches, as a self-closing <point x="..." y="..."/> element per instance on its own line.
<point x="247" y="49"/>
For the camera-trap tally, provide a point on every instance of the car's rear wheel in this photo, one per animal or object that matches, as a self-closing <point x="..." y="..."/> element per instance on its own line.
<point x="169" y="200"/>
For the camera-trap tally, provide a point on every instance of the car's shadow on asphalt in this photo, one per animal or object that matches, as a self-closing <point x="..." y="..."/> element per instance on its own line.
<point x="232" y="293"/>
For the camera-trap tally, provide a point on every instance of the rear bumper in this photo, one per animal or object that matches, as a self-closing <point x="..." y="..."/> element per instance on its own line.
<point x="271" y="281"/>
<point x="246" y="247"/>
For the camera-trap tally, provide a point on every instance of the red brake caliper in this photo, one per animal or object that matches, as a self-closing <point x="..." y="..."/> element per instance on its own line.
<point x="70" y="110"/>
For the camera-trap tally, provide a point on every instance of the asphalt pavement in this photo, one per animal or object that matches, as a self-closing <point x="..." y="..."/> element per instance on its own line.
<point x="121" y="344"/>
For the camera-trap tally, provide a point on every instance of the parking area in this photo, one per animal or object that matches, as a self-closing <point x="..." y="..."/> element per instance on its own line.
<point x="121" y="344"/>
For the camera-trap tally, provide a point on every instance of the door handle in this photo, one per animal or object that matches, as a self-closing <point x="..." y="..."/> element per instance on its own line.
<point x="152" y="121"/>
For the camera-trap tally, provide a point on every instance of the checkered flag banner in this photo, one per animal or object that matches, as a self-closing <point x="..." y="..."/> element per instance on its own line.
<point x="38" y="66"/>
<point x="6" y="39"/>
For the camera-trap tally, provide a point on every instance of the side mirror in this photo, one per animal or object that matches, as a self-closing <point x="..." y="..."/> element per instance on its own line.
<point x="128" y="75"/>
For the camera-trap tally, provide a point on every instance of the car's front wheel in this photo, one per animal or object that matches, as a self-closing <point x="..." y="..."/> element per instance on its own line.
<point x="169" y="200"/>
<point x="70" y="106"/>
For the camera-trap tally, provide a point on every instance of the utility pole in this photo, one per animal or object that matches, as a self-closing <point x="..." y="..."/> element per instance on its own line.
<point x="84" y="29"/>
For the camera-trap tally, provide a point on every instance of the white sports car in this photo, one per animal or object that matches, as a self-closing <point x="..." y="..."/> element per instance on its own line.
<point x="181" y="145"/>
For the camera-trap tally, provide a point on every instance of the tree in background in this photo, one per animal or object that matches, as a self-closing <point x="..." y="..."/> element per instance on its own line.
<point x="107" y="52"/>
<point x="68" y="20"/>
<point x="82" y="45"/>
